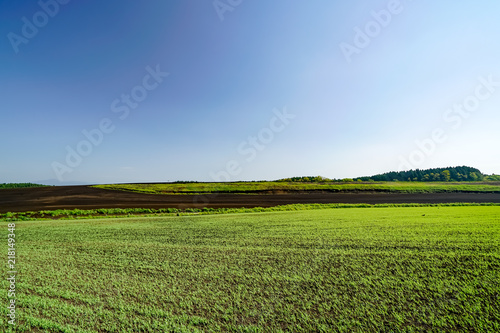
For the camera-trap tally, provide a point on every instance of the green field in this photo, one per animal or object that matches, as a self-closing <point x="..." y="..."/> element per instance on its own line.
<point x="405" y="269"/>
<point x="256" y="187"/>
<point x="71" y="214"/>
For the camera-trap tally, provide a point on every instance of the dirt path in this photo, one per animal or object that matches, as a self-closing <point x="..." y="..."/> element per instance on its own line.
<point x="85" y="197"/>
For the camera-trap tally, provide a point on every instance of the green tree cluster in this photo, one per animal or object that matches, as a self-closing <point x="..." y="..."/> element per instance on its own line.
<point x="459" y="174"/>
<point x="449" y="174"/>
<point x="307" y="179"/>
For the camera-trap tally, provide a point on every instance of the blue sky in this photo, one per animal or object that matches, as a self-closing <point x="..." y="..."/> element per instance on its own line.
<point x="254" y="90"/>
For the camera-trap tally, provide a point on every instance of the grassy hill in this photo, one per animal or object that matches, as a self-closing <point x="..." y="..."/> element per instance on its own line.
<point x="281" y="186"/>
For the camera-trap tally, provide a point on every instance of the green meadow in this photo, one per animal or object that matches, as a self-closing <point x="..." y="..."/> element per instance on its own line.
<point x="255" y="187"/>
<point x="390" y="269"/>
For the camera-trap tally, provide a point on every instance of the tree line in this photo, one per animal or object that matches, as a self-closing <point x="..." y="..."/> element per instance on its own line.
<point x="458" y="174"/>
<point x="19" y="185"/>
<point x="449" y="174"/>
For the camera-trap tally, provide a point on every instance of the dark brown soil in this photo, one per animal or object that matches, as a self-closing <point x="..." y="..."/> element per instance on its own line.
<point x="85" y="197"/>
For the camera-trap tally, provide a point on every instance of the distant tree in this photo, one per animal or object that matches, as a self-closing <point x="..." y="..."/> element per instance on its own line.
<point x="445" y="175"/>
<point x="492" y="177"/>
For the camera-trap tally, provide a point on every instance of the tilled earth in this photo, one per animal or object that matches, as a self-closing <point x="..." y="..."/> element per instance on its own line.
<point x="86" y="197"/>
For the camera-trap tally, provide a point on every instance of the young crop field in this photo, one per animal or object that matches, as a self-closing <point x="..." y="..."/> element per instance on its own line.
<point x="392" y="269"/>
<point x="258" y="187"/>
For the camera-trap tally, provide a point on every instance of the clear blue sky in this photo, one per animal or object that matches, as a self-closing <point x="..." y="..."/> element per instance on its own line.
<point x="255" y="89"/>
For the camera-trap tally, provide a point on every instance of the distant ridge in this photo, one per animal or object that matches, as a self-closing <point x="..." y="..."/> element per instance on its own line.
<point x="56" y="182"/>
<point x="19" y="185"/>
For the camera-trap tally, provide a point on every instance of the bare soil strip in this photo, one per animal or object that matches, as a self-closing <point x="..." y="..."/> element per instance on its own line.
<point x="85" y="197"/>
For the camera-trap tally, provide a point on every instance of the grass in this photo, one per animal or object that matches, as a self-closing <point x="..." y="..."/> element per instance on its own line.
<point x="259" y="187"/>
<point x="400" y="269"/>
<point x="150" y="212"/>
